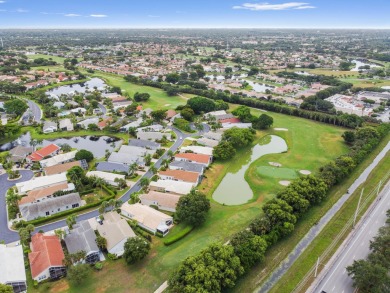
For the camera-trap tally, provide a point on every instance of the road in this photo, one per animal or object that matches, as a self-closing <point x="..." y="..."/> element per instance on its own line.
<point x="315" y="230"/>
<point x="34" y="110"/>
<point x="355" y="247"/>
<point x="103" y="109"/>
<point x="6" y="234"/>
<point x="10" y="236"/>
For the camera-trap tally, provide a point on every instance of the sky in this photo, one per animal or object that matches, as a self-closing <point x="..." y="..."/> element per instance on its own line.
<point x="194" y="14"/>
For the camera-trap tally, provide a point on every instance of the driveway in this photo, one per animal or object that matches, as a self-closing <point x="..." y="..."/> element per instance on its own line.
<point x="6" y="234"/>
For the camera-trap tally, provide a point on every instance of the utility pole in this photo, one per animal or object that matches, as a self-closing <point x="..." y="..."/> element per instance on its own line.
<point x="357" y="208"/>
<point x="318" y="262"/>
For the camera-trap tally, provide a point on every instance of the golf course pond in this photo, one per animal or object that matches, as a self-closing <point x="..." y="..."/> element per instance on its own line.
<point x="234" y="189"/>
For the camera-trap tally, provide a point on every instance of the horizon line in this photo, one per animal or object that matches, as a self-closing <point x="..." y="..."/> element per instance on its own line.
<point x="193" y="28"/>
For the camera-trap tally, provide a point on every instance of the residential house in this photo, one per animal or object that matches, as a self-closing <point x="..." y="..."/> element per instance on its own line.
<point x="170" y="114"/>
<point x="62" y="168"/>
<point x="171" y="186"/>
<point x="40" y="182"/>
<point x="213" y="135"/>
<point x="194" y="158"/>
<point x="119" y="158"/>
<point x="148" y="218"/>
<point x="151" y="128"/>
<point x="181" y="175"/>
<point x="46" y="257"/>
<point x="83" y="238"/>
<point x="187" y="166"/>
<point x="207" y="142"/>
<point x="116" y="230"/>
<point x="238" y="125"/>
<point x="112" y="167"/>
<point x="135" y="151"/>
<point x="219" y="115"/>
<point x="47" y="151"/>
<point x="37" y="195"/>
<point x="197" y="150"/>
<point x="59" y="159"/>
<point x="147" y="144"/>
<point x="49" y="127"/>
<point x="12" y="271"/>
<point x="133" y="124"/>
<point x="152" y="135"/>
<point x="50" y="205"/>
<point x="84" y="124"/>
<point x="66" y="125"/>
<point x="19" y="153"/>
<point x="108" y="177"/>
<point x="164" y="201"/>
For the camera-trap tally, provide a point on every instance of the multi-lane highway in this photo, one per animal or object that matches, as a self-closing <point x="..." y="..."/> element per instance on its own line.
<point x="335" y="277"/>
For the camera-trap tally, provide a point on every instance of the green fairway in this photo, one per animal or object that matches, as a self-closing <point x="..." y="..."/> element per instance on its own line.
<point x="59" y="60"/>
<point x="158" y="97"/>
<point x="275" y="172"/>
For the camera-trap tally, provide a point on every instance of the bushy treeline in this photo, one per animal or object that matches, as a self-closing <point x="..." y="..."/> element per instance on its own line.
<point x="345" y="120"/>
<point x="219" y="266"/>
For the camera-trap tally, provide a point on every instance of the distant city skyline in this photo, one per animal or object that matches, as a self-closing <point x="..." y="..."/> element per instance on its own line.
<point x="314" y="14"/>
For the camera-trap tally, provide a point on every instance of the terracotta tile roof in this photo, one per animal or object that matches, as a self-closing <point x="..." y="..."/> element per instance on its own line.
<point x="43" y="152"/>
<point x="205" y="159"/>
<point x="46" y="251"/>
<point x="60" y="168"/>
<point x="170" y="113"/>
<point x="181" y="175"/>
<point x="230" y="120"/>
<point x="104" y="123"/>
<point x="41" y="193"/>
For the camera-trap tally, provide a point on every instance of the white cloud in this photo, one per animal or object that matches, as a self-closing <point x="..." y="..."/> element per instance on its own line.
<point x="153" y="16"/>
<point x="267" y="6"/>
<point x="2" y="2"/>
<point x="98" y="15"/>
<point x="20" y="10"/>
<point x="72" y="15"/>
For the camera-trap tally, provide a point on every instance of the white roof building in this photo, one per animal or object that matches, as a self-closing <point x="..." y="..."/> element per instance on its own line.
<point x="171" y="186"/>
<point x="59" y="159"/>
<point x="116" y="230"/>
<point x="108" y="177"/>
<point x="197" y="150"/>
<point x="40" y="182"/>
<point x="12" y="271"/>
<point x="147" y="217"/>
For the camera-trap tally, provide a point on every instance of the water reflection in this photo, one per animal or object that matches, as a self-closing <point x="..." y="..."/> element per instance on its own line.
<point x="233" y="189"/>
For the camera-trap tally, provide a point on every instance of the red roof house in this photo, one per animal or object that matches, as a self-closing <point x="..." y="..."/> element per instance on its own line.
<point x="230" y="120"/>
<point x="191" y="157"/>
<point x="46" y="257"/>
<point x="50" y="150"/>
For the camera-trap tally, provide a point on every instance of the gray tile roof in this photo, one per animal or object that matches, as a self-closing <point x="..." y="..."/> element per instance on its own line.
<point x="112" y="167"/>
<point x="144" y="144"/>
<point x="188" y="166"/>
<point x="81" y="237"/>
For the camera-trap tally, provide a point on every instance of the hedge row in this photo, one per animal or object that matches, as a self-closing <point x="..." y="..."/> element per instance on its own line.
<point x="176" y="237"/>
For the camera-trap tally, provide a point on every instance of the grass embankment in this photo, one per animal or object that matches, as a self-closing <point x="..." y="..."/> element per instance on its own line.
<point x="158" y="97"/>
<point x="222" y="221"/>
<point x="280" y="251"/>
<point x="309" y="257"/>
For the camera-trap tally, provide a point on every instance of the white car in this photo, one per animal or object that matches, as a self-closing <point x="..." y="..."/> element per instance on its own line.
<point x="180" y="137"/>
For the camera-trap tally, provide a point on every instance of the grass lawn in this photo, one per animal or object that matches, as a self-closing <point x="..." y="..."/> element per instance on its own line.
<point x="57" y="59"/>
<point x="280" y="251"/>
<point x="366" y="83"/>
<point x="310" y="144"/>
<point x="275" y="172"/>
<point x="158" y="97"/>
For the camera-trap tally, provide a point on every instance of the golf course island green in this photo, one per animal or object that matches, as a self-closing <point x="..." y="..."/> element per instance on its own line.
<point x="234" y="189"/>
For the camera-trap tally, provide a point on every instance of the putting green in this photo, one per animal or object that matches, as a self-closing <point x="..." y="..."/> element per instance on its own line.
<point x="275" y="172"/>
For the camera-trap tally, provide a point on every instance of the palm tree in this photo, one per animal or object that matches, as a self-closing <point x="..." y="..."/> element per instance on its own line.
<point x="103" y="207"/>
<point x="33" y="143"/>
<point x="71" y="220"/>
<point x="170" y="154"/>
<point x="165" y="162"/>
<point x="132" y="168"/>
<point x="153" y="169"/>
<point x="144" y="182"/>
<point x="99" y="182"/>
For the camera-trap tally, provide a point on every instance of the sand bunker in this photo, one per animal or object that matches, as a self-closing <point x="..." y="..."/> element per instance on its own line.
<point x="166" y="105"/>
<point x="275" y="164"/>
<point x="281" y="129"/>
<point x="305" y="172"/>
<point x="285" y="182"/>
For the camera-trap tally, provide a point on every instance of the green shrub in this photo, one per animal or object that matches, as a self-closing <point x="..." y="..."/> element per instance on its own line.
<point x="176" y="237"/>
<point x="112" y="256"/>
<point x="86" y="192"/>
<point x="98" y="266"/>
